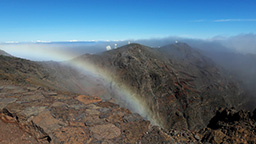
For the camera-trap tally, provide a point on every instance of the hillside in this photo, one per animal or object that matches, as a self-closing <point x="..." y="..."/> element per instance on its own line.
<point x="181" y="88"/>
<point x="241" y="67"/>
<point x="37" y="111"/>
<point x="49" y="102"/>
<point x="3" y="53"/>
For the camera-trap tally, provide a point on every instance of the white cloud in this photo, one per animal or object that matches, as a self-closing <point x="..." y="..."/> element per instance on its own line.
<point x="73" y="40"/>
<point x="40" y="41"/>
<point x="235" y="20"/>
<point x="108" y="47"/>
<point x="12" y="42"/>
<point x="224" y="20"/>
<point x="243" y="43"/>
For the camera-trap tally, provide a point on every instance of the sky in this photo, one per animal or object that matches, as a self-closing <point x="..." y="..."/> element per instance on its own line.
<point x="63" y="20"/>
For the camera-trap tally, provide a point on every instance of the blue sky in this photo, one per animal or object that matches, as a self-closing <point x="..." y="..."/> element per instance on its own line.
<point x="61" y="20"/>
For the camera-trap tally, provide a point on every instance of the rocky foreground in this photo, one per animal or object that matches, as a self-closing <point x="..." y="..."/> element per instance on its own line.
<point x="48" y="116"/>
<point x="42" y="115"/>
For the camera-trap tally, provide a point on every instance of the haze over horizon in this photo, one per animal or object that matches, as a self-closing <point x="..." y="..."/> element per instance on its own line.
<point x="52" y="20"/>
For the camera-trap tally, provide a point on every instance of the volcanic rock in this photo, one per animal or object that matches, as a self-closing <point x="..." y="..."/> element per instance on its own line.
<point x="107" y="131"/>
<point x="254" y="114"/>
<point x="230" y="126"/>
<point x="57" y="120"/>
<point x="178" y="86"/>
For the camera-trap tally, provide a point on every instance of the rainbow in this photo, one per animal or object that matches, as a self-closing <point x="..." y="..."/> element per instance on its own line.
<point x="124" y="92"/>
<point x="134" y="102"/>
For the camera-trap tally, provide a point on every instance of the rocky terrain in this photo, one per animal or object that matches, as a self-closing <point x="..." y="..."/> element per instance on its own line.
<point x="57" y="75"/>
<point x="182" y="89"/>
<point x="42" y="115"/>
<point x="230" y="126"/>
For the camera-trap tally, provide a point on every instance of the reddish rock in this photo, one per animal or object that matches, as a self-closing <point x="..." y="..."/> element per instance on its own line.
<point x="12" y="134"/>
<point x="47" y="122"/>
<point x="72" y="135"/>
<point x="88" y="99"/>
<point x="106" y="131"/>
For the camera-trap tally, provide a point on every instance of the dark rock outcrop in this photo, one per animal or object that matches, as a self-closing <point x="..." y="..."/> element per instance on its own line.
<point x="230" y="126"/>
<point x="254" y="114"/>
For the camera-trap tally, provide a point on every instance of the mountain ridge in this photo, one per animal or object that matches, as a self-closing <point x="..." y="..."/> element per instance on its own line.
<point x="3" y="53"/>
<point x="169" y="87"/>
<point x="144" y="69"/>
